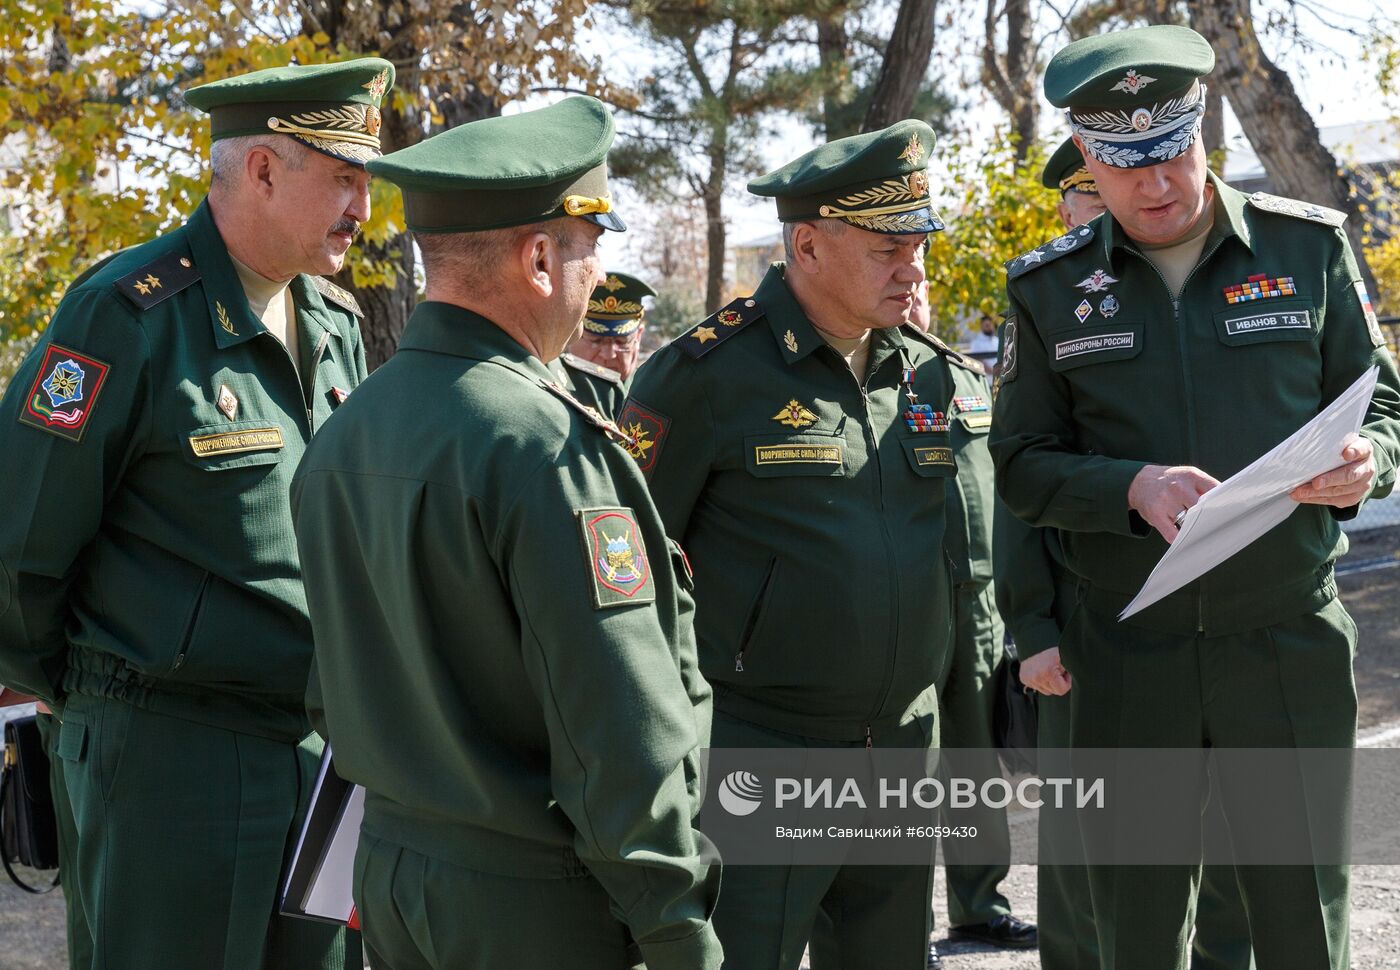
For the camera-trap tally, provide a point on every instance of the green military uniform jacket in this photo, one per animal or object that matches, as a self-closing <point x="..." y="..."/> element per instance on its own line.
<point x="1034" y="591"/>
<point x="149" y="441"/>
<point x="504" y="647"/>
<point x="812" y="512"/>
<point x="593" y="384"/>
<point x="972" y="494"/>
<point x="1103" y="373"/>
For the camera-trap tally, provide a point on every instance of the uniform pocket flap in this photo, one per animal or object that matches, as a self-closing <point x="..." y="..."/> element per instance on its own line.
<point x="931" y="455"/>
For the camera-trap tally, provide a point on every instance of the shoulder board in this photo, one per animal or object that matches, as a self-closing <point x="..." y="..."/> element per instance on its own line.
<point x="158" y="280"/>
<point x="719" y="327"/>
<point x="1299" y="210"/>
<point x="588" y="367"/>
<point x="952" y="356"/>
<point x="340" y="297"/>
<point x="591" y="414"/>
<point x="1049" y="252"/>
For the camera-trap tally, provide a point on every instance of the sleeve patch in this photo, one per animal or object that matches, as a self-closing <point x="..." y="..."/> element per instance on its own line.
<point x="619" y="571"/>
<point x="1009" y="355"/>
<point x="1373" y="326"/>
<point x="647" y="430"/>
<point x="65" y="392"/>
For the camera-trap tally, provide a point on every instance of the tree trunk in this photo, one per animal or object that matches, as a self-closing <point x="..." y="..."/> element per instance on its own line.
<point x="714" y="232"/>
<point x="832" y="44"/>
<point x="905" y="65"/>
<point x="1013" y="77"/>
<point x="1213" y="128"/>
<point x="1274" y="119"/>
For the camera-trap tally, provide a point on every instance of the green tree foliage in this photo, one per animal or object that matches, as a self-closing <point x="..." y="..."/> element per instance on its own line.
<point x="996" y="209"/>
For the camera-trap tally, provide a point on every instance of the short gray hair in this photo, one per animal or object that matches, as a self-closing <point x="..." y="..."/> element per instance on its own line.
<point x="226" y="155"/>
<point x="831" y="227"/>
<point x="474" y="258"/>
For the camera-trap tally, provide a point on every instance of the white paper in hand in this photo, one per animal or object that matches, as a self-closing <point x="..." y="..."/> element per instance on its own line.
<point x="1254" y="500"/>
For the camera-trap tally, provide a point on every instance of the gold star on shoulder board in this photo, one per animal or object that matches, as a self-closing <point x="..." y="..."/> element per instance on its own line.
<point x="152" y="282"/>
<point x="795" y="415"/>
<point x="141" y="288"/>
<point x="704" y="334"/>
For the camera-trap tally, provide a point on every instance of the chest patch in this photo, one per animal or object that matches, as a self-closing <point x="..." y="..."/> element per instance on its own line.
<point x="236" y="442"/>
<point x="1091" y="345"/>
<point x="935" y="456"/>
<point x="1279" y="320"/>
<point x="619" y="571"/>
<point x="647" y="430"/>
<point x="796" y="453"/>
<point x="64" y="393"/>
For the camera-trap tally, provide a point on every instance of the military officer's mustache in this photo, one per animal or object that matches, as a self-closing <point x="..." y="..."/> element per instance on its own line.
<point x="349" y="226"/>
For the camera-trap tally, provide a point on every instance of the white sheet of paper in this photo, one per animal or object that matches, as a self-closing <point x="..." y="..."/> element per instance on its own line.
<point x="330" y="893"/>
<point x="1255" y="499"/>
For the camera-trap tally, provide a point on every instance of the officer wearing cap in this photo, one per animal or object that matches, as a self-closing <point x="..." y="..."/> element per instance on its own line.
<point x="151" y="591"/>
<point x="1183" y="285"/>
<point x="504" y="651"/>
<point x="797" y="443"/>
<point x="601" y="359"/>
<point x="1035" y="594"/>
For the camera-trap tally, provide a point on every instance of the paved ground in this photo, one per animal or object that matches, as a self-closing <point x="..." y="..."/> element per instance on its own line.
<point x="31" y="929"/>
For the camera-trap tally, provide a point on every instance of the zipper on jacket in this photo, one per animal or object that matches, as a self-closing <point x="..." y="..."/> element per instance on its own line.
<point x="1187" y="386"/>
<point x="869" y="742"/>
<point x="308" y="380"/>
<point x="751" y="624"/>
<point x="195" y="610"/>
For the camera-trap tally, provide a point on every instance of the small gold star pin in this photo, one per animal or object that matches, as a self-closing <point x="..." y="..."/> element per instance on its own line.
<point x="795" y="415"/>
<point x="152" y="282"/>
<point x="141" y="288"/>
<point x="227" y="402"/>
<point x="704" y="334"/>
<point x="791" y="342"/>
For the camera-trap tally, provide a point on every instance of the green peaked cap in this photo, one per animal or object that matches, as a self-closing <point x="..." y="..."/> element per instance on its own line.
<point x="1066" y="171"/>
<point x="333" y="108"/>
<point x="615" y="308"/>
<point x="1133" y="96"/>
<point x="876" y="181"/>
<point x="508" y="171"/>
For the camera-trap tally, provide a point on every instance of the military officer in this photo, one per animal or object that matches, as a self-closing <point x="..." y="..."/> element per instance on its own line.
<point x="797" y="443"/>
<point x="977" y="909"/>
<point x="1035" y="594"/>
<point x="482" y="560"/>
<point x="601" y="359"/>
<point x="1185" y="285"/>
<point x="151" y="590"/>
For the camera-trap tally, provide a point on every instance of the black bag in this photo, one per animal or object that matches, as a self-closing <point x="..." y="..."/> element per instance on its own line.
<point x="28" y="827"/>
<point x="1016" y="718"/>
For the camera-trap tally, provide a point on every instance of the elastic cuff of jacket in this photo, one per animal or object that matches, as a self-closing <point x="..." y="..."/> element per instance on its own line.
<point x="699" y="951"/>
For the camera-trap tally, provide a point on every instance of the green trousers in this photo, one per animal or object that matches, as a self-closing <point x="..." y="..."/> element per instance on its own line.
<point x="182" y="831"/>
<point x="1287" y="685"/>
<point x="421" y="913"/>
<point x="879" y="917"/>
<point x="79" y="936"/>
<point x="965" y="706"/>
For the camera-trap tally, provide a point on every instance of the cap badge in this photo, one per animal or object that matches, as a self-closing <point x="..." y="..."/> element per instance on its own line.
<point x="612" y="284"/>
<point x="918" y="183"/>
<point x="914" y="151"/>
<point x="378" y="85"/>
<point x="1141" y="119"/>
<point x="1133" y="82"/>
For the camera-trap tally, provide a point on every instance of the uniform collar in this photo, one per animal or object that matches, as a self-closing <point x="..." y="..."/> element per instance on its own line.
<point x="229" y="314"/>
<point x="1230" y="220"/>
<point x="791" y="328"/>
<point x="442" y="328"/>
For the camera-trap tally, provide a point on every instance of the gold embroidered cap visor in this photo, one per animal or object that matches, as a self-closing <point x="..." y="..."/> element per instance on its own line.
<point x="1065" y="170"/>
<point x="1133" y="97"/>
<point x="332" y="108"/>
<point x="615" y="306"/>
<point x="509" y="171"/>
<point x="876" y="181"/>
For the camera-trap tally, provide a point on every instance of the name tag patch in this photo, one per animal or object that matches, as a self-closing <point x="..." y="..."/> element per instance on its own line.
<point x="1281" y="320"/>
<point x="1095" y="344"/>
<point x="934" y="456"/>
<point x="235" y="442"/>
<point x="790" y="454"/>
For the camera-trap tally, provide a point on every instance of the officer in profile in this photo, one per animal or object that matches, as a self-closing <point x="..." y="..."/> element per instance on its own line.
<point x="151" y="593"/>
<point x="1185" y="284"/>
<point x="601" y="359"/>
<point x="504" y="651"/>
<point x="796" y="442"/>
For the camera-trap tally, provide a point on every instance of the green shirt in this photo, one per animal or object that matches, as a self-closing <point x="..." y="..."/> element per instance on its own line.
<point x="812" y="513"/>
<point x="1104" y="373"/>
<point x="591" y="383"/>
<point x="504" y="650"/>
<point x="972" y="492"/>
<point x="147" y="548"/>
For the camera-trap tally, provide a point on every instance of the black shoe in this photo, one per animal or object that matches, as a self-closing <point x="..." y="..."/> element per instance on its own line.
<point x="935" y="962"/>
<point x="1005" y="931"/>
